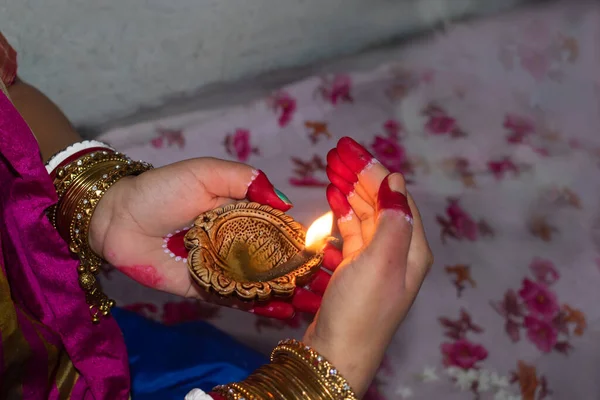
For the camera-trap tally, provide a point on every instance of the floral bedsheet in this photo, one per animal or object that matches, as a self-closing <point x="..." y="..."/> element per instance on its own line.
<point x="496" y="124"/>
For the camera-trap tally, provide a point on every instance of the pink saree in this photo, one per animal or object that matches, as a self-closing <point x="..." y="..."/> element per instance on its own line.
<point x="48" y="346"/>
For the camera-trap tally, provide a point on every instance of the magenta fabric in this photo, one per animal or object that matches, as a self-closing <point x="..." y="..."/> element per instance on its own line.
<point x="43" y="275"/>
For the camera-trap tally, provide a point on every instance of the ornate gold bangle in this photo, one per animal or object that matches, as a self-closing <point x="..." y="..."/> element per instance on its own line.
<point x="296" y="372"/>
<point x="81" y="185"/>
<point x="315" y="387"/>
<point x="327" y="373"/>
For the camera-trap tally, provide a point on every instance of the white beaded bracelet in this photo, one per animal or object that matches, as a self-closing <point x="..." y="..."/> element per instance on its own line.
<point x="197" y="394"/>
<point x="75" y="148"/>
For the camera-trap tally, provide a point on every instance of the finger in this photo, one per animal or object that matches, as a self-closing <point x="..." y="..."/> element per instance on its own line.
<point x="348" y="223"/>
<point x="319" y="282"/>
<point x="370" y="172"/>
<point x="366" y="214"/>
<point x="392" y="238"/>
<point x="392" y="196"/>
<point x="339" y="182"/>
<point x="238" y="181"/>
<point x="262" y="191"/>
<point x="306" y="301"/>
<point x="332" y="257"/>
<point x="273" y="309"/>
<point x="361" y="208"/>
<point x="337" y="165"/>
<point x="420" y="257"/>
<point x="354" y="156"/>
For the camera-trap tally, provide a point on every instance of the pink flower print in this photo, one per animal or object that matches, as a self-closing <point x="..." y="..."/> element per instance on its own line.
<point x="518" y="124"/>
<point x="499" y="168"/>
<point x="238" y="145"/>
<point x="392" y="128"/>
<point x="390" y="153"/>
<point x="157" y="142"/>
<point x="539" y="299"/>
<point x="544" y="271"/>
<point x="462" y="222"/>
<point x="463" y="354"/>
<point x="459" y="225"/>
<point x="186" y="311"/>
<point x="305" y="172"/>
<point x="172" y="137"/>
<point x="285" y="105"/>
<point x="541" y="333"/>
<point x="440" y="123"/>
<point x="338" y="90"/>
<point x="519" y="127"/>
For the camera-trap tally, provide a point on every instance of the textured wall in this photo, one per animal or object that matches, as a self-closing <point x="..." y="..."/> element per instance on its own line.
<point x="100" y="58"/>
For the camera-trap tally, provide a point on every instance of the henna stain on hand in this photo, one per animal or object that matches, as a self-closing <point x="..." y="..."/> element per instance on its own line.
<point x="354" y="155"/>
<point x="260" y="190"/>
<point x="339" y="203"/>
<point x="146" y="275"/>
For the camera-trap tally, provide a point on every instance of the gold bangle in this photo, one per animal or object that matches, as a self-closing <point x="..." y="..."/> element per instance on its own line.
<point x="322" y="368"/>
<point x="265" y="384"/>
<point x="296" y="372"/>
<point x="66" y="174"/>
<point x="81" y="185"/>
<point x="311" y="388"/>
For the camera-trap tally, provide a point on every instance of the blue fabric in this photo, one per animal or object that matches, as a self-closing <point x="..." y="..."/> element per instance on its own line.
<point x="168" y="361"/>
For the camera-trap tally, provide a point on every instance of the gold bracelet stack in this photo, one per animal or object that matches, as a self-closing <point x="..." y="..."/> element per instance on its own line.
<point x="296" y="371"/>
<point x="81" y="185"/>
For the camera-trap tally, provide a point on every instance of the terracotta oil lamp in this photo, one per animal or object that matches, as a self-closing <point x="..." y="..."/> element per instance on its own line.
<point x="254" y="251"/>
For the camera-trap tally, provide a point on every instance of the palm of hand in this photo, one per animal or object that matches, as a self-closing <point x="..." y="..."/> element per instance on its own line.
<point x="137" y="213"/>
<point x="385" y="259"/>
<point x="151" y="206"/>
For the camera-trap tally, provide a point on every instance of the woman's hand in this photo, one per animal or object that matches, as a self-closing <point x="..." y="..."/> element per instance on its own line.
<point x="130" y="223"/>
<point x="385" y="260"/>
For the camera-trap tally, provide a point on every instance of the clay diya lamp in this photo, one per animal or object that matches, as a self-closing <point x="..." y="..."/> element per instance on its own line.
<point x="253" y="251"/>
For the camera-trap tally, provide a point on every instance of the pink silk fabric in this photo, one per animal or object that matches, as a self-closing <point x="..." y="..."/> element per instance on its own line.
<point x="47" y="305"/>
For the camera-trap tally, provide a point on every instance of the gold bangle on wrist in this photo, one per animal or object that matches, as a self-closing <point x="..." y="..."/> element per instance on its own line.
<point x="296" y="372"/>
<point x="328" y="374"/>
<point x="80" y="186"/>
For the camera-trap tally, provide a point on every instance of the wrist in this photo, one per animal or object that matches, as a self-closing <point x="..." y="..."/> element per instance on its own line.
<point x="357" y="362"/>
<point x="104" y="215"/>
<point x="88" y="188"/>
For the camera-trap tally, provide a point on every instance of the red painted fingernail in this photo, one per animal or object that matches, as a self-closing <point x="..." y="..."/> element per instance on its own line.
<point x="338" y="202"/>
<point x="306" y="301"/>
<point x="335" y="162"/>
<point x="339" y="182"/>
<point x="388" y="199"/>
<point x="274" y="309"/>
<point x="175" y="244"/>
<point x="262" y="191"/>
<point x="332" y="257"/>
<point x="355" y="156"/>
<point x="320" y="282"/>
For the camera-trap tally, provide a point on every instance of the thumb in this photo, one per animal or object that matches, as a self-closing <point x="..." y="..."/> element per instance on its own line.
<point x="394" y="221"/>
<point x="233" y="180"/>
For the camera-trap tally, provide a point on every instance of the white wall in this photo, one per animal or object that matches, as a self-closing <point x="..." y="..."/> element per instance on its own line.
<point x="106" y="58"/>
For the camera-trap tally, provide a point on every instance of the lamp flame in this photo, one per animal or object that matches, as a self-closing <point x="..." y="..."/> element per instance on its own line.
<point x="318" y="232"/>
